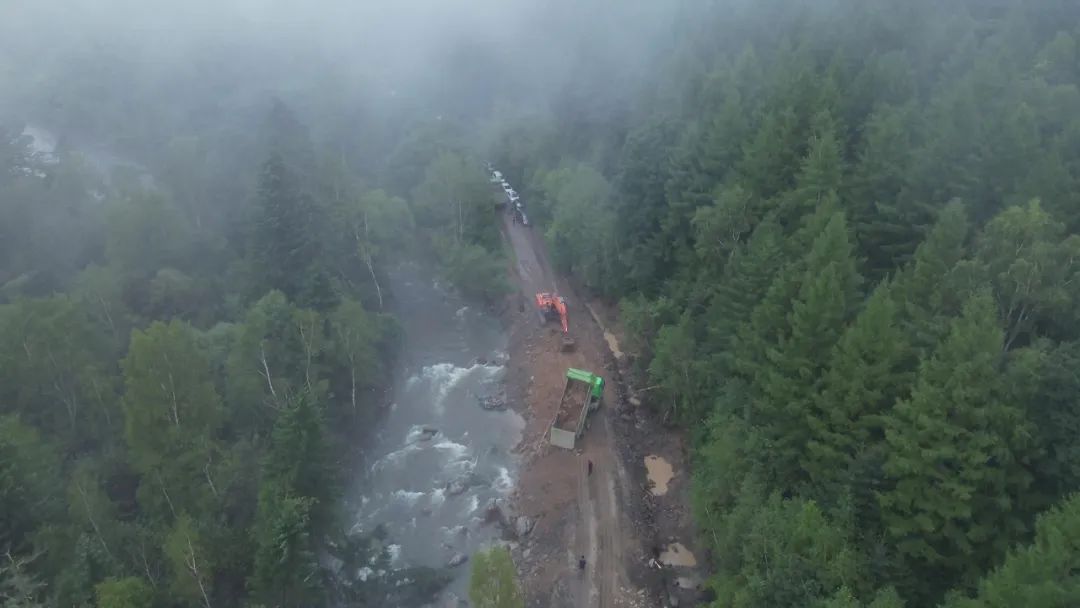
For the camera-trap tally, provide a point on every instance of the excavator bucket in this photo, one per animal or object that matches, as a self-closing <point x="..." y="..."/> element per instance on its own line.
<point x="567" y="344"/>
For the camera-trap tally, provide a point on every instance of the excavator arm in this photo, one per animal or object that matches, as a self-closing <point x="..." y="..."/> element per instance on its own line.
<point x="550" y="306"/>
<point x="560" y="305"/>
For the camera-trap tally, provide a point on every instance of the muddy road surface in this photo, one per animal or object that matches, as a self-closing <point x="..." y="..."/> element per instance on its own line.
<point x="576" y="513"/>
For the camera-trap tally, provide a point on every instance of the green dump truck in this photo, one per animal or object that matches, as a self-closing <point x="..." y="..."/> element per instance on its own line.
<point x="581" y="394"/>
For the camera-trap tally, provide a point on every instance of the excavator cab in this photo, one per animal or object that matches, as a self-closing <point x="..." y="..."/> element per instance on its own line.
<point x="553" y="307"/>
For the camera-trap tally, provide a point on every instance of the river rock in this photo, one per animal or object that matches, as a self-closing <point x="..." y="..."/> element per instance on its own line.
<point x="491" y="510"/>
<point x="506" y="512"/>
<point x="457" y="486"/>
<point x="457" y="560"/>
<point x="523" y="526"/>
<point x="427" y="432"/>
<point x="451" y="601"/>
<point x="495" y="403"/>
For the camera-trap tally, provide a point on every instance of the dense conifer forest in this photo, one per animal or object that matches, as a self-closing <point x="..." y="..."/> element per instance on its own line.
<point x="844" y="239"/>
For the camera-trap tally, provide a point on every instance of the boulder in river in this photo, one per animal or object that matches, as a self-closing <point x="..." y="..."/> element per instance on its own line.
<point x="493" y="403"/>
<point x="457" y="486"/>
<point x="457" y="560"/>
<point x="523" y="526"/>
<point x="506" y="512"/>
<point x="427" y="432"/>
<point x="451" y="601"/>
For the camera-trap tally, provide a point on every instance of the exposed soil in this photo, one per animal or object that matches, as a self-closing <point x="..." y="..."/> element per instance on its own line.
<point x="660" y="474"/>
<point x="572" y="403"/>
<point x="608" y="516"/>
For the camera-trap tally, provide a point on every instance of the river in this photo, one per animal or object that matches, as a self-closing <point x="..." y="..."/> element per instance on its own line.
<point x="439" y="458"/>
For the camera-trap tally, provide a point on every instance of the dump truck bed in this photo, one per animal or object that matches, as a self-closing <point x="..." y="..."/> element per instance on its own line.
<point x="574" y="397"/>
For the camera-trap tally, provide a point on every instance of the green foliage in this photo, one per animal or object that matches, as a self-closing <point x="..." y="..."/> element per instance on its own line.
<point x="131" y="439"/>
<point x="190" y="563"/>
<point x="958" y="451"/>
<point x="791" y="555"/>
<point x="477" y="272"/>
<point x="868" y="371"/>
<point x="493" y="582"/>
<point x="285" y="243"/>
<point x="29" y="488"/>
<point x="453" y="205"/>
<point x="296" y="504"/>
<point x="52" y="355"/>
<point x="170" y="403"/>
<point x="581" y="223"/>
<point x="146" y="232"/>
<point x="797" y="329"/>
<point x="731" y="196"/>
<point x="455" y="195"/>
<point x="1042" y="573"/>
<point x="129" y="592"/>
<point x="783" y="155"/>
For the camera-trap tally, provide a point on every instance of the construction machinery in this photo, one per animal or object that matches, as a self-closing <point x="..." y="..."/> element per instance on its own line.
<point x="551" y="307"/>
<point x="581" y="395"/>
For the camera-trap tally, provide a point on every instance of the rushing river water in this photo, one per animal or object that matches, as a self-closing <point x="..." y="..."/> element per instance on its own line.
<point x="438" y="457"/>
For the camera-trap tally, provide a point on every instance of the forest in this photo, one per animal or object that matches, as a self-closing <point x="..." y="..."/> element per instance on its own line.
<point x="843" y="237"/>
<point x="844" y="240"/>
<point x="180" y="386"/>
<point x="195" y="338"/>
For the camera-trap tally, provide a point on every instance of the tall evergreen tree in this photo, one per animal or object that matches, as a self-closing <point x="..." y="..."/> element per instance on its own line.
<point x="958" y="454"/>
<point x="923" y="286"/>
<point x="1043" y="573"/>
<point x="868" y="372"/>
<point x="811" y="324"/>
<point x="285" y="249"/>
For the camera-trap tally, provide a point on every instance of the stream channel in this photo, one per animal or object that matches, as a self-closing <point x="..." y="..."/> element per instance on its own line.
<point x="438" y="458"/>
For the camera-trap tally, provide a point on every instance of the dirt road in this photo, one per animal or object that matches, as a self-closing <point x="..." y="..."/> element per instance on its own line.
<point x="577" y="513"/>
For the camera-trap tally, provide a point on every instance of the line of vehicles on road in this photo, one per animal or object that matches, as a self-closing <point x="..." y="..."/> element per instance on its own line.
<point x="514" y="204"/>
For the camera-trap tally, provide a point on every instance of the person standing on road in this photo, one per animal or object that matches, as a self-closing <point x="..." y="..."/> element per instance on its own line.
<point x="590" y="467"/>
<point x="581" y="563"/>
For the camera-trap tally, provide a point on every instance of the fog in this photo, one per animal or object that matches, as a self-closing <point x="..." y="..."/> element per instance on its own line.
<point x="456" y="58"/>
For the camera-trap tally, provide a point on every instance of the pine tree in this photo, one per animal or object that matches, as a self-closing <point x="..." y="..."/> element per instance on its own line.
<point x="1043" y="573"/>
<point x="299" y="461"/>
<point x="284" y="247"/>
<point x="297" y="501"/>
<point x="957" y="456"/>
<point x="820" y="175"/>
<point x="889" y="225"/>
<point x="769" y="159"/>
<point x="745" y="280"/>
<point x="868" y="371"/>
<point x="922" y="287"/>
<point x="285" y="563"/>
<point x="811" y="323"/>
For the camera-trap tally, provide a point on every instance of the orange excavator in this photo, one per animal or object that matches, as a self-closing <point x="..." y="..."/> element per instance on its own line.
<point x="551" y="307"/>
